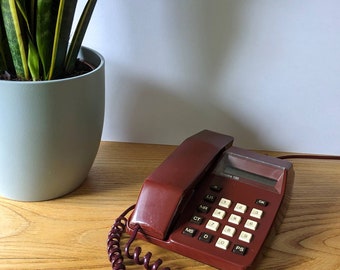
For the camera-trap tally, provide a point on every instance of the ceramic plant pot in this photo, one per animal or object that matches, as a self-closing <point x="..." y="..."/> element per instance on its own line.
<point x="50" y="132"/>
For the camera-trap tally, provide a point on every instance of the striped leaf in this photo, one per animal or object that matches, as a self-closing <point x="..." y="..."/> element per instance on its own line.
<point x="25" y="15"/>
<point x="33" y="61"/>
<point x="34" y="37"/>
<point x="16" y="39"/>
<point x="61" y="37"/>
<point x="79" y="36"/>
<point x="46" y="14"/>
<point x="6" y="63"/>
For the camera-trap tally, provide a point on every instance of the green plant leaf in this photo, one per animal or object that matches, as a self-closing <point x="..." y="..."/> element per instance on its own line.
<point x="46" y="14"/>
<point x="61" y="37"/>
<point x="32" y="15"/>
<point x="3" y="65"/>
<point x="21" y="7"/>
<point x="6" y="63"/>
<point x="79" y="35"/>
<point x="33" y="61"/>
<point x="17" y="41"/>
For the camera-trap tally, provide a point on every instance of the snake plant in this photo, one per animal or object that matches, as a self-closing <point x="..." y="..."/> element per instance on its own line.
<point x="34" y="37"/>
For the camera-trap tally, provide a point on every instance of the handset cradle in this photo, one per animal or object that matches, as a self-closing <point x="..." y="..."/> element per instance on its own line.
<point x="169" y="187"/>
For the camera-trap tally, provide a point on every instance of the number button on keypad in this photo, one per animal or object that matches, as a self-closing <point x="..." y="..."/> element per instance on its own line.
<point x="245" y="237"/>
<point x="235" y="219"/>
<point x="241" y="208"/>
<point x="251" y="224"/>
<point x="212" y="225"/>
<point x="224" y="203"/>
<point x="256" y="213"/>
<point x="218" y="213"/>
<point x="229" y="231"/>
<point x="222" y="243"/>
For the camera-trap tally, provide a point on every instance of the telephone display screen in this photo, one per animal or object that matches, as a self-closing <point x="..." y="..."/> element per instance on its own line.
<point x="235" y="173"/>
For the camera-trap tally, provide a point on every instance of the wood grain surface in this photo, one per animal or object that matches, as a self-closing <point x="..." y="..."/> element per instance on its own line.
<point x="71" y="232"/>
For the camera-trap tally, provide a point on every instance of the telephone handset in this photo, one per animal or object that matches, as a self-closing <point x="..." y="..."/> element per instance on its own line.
<point x="213" y="202"/>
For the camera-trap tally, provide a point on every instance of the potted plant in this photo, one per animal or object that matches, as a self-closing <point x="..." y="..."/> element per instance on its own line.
<point x="51" y="99"/>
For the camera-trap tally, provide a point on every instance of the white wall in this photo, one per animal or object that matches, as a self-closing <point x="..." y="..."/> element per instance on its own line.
<point x="266" y="72"/>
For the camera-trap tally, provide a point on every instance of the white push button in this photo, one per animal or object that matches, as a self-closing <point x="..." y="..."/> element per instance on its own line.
<point x="218" y="213"/>
<point x="224" y="203"/>
<point x="229" y="231"/>
<point x="235" y="219"/>
<point x="222" y="243"/>
<point x="245" y="237"/>
<point x="256" y="213"/>
<point x="241" y="208"/>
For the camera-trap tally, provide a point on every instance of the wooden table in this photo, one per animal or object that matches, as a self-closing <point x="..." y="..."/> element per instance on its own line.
<point x="71" y="232"/>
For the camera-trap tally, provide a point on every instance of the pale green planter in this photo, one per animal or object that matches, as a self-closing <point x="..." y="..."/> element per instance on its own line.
<point x="50" y="132"/>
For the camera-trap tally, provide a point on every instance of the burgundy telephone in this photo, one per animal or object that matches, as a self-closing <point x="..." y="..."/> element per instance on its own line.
<point x="212" y="202"/>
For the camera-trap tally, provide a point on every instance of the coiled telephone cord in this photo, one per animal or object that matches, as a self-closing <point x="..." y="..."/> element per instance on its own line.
<point x="114" y="251"/>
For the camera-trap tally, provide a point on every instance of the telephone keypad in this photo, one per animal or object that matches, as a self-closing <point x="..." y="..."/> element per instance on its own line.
<point x="238" y="221"/>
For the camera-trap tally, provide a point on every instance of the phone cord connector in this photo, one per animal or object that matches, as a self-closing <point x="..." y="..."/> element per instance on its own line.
<point x="114" y="251"/>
